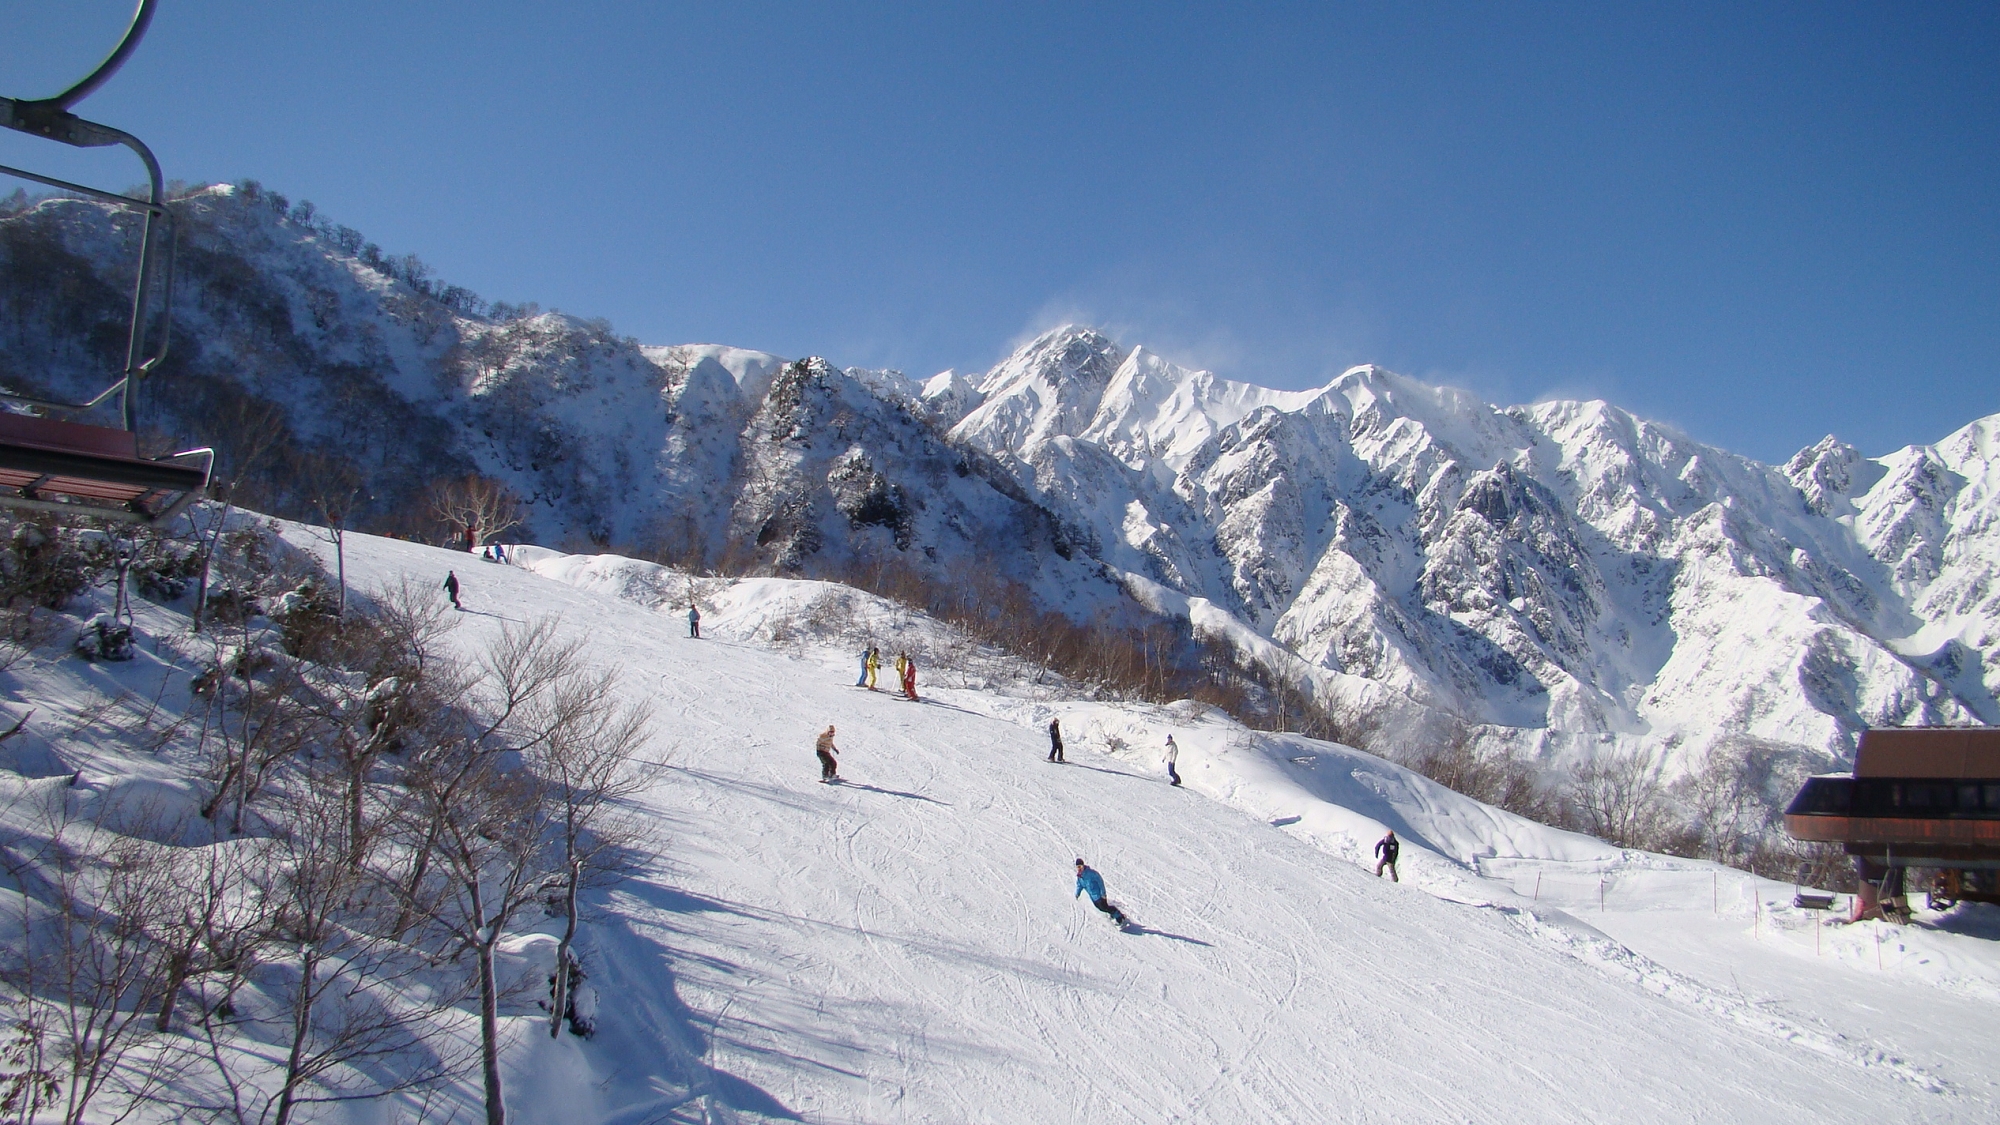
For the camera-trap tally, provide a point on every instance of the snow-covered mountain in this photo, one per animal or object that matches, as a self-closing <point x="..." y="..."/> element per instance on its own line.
<point x="1565" y="573"/>
<point x="1561" y="577"/>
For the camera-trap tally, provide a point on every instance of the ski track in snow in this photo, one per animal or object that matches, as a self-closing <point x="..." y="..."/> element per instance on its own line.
<point x="904" y="946"/>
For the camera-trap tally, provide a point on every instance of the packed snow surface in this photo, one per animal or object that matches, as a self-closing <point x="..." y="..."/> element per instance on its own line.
<point x="905" y="946"/>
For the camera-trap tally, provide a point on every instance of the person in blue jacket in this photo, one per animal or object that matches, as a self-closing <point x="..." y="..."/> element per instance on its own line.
<point x="1093" y="883"/>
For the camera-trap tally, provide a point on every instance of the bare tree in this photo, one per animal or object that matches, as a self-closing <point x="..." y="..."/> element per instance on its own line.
<point x="338" y="993"/>
<point x="589" y="763"/>
<point x="482" y="824"/>
<point x="398" y="689"/>
<point x="1723" y="802"/>
<point x="193" y="926"/>
<point x="87" y="975"/>
<point x="493" y="851"/>
<point x="255" y="719"/>
<point x="477" y="508"/>
<point x="1620" y="797"/>
<point x="334" y="487"/>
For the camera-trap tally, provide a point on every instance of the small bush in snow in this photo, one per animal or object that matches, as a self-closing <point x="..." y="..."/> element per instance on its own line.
<point x="105" y="638"/>
<point x="44" y="564"/>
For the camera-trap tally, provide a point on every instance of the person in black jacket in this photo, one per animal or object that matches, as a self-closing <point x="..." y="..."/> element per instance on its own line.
<point x="1055" y="741"/>
<point x="451" y="587"/>
<point x="1385" y="856"/>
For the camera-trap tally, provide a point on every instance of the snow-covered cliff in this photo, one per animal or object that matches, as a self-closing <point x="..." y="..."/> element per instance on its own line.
<point x="1565" y="573"/>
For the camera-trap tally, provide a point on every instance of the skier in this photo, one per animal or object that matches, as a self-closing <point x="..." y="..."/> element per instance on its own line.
<point x="862" y="679"/>
<point x="1055" y="741"/>
<point x="1092" y="882"/>
<point x="694" y="622"/>
<point x="909" y="667"/>
<point x="874" y="667"/>
<point x="451" y="587"/>
<point x="1173" y="755"/>
<point x="499" y="552"/>
<point x="1385" y="855"/>
<point x="829" y="766"/>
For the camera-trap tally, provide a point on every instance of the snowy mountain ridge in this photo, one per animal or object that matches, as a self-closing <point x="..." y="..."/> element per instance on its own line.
<point x="1564" y="568"/>
<point x="1560" y="579"/>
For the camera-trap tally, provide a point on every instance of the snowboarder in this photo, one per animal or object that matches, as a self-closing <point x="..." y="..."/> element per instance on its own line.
<point x="874" y="667"/>
<point x="1385" y="856"/>
<point x="1093" y="883"/>
<point x="451" y="588"/>
<point x="694" y="622"/>
<point x="499" y="552"/>
<point x="829" y="766"/>
<point x="908" y="666"/>
<point x="1055" y="741"/>
<point x="1173" y="755"/>
<point x="486" y="553"/>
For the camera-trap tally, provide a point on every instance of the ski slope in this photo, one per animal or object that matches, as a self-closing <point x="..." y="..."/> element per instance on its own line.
<point x="904" y="947"/>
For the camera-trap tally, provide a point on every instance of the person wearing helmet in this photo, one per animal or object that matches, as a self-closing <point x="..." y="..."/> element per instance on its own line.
<point x="1090" y="882"/>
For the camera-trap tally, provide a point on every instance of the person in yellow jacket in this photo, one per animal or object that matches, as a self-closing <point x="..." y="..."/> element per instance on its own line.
<point x="874" y="666"/>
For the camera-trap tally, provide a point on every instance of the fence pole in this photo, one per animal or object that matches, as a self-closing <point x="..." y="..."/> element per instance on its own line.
<point x="1538" y="886"/>
<point x="1878" y="949"/>
<point x="1600" y="894"/>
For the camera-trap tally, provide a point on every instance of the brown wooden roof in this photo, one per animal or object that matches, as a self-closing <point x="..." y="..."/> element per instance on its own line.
<point x="1929" y="752"/>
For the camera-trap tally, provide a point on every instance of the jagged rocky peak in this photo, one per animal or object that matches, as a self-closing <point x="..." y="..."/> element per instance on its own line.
<point x="1498" y="495"/>
<point x="1048" y="388"/>
<point x="1830" y="475"/>
<point x="950" y="396"/>
<point x="1069" y="354"/>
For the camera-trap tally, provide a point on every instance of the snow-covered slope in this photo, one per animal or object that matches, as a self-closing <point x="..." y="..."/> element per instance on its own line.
<point x="905" y="946"/>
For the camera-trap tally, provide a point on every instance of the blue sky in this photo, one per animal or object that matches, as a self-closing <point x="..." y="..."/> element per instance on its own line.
<point x="1761" y="223"/>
